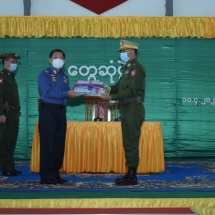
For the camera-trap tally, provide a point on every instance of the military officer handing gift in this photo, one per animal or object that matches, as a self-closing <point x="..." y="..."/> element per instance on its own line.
<point x="129" y="91"/>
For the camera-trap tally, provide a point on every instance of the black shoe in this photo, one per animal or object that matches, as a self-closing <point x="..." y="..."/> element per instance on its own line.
<point x="48" y="181"/>
<point x="129" y="179"/>
<point x="60" y="180"/>
<point x="126" y="181"/>
<point x="17" y="172"/>
<point x="11" y="173"/>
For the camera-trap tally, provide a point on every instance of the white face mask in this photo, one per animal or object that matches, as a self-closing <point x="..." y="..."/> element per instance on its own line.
<point x="57" y="63"/>
<point x="13" y="67"/>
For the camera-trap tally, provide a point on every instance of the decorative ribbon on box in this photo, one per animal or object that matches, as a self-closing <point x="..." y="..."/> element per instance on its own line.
<point x="91" y="88"/>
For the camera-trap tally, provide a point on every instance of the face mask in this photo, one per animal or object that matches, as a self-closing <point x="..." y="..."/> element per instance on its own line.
<point x="57" y="63"/>
<point x="124" y="57"/>
<point x="13" y="67"/>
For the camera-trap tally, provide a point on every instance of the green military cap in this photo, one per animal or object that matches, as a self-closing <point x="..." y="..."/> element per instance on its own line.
<point x="9" y="55"/>
<point x="125" y="44"/>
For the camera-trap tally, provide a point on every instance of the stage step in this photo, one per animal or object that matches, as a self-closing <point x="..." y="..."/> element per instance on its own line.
<point x="105" y="211"/>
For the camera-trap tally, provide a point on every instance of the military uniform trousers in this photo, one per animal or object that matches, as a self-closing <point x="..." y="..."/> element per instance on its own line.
<point x="132" y="116"/>
<point x="8" y="137"/>
<point x="52" y="130"/>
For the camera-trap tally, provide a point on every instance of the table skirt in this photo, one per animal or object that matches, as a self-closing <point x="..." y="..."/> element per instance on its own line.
<point x="98" y="147"/>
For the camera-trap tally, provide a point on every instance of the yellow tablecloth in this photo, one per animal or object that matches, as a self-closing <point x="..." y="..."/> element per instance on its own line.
<point x="97" y="147"/>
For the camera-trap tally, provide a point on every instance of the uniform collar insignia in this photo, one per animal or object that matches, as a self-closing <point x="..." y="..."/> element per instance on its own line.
<point x="128" y="64"/>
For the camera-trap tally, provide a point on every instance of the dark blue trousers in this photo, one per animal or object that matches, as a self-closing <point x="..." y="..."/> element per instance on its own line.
<point x="52" y="130"/>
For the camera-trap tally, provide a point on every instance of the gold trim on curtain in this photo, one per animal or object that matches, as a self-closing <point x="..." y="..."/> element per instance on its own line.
<point x="199" y="205"/>
<point x="106" y="27"/>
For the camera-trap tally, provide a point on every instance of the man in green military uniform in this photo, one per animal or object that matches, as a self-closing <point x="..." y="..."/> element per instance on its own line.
<point x="9" y="114"/>
<point x="130" y="92"/>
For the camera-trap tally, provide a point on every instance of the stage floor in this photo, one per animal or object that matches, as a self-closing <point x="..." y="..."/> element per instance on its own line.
<point x="184" y="184"/>
<point x="182" y="178"/>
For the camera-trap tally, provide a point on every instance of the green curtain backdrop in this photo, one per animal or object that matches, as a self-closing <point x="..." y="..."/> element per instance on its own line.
<point x="179" y="92"/>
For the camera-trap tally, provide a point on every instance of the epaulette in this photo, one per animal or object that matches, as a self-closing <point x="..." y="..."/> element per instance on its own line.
<point x="3" y="72"/>
<point x="47" y="70"/>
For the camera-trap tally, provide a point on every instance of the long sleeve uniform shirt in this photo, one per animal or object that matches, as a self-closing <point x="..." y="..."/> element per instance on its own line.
<point x="131" y="83"/>
<point x="53" y="86"/>
<point x="8" y="90"/>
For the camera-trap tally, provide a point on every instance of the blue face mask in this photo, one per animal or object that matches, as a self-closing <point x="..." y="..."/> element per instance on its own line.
<point x="124" y="57"/>
<point x="13" y="67"/>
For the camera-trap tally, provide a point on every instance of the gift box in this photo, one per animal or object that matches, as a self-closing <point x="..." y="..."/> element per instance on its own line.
<point x="91" y="88"/>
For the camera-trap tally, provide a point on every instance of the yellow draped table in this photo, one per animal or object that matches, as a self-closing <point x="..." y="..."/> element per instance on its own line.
<point x="98" y="147"/>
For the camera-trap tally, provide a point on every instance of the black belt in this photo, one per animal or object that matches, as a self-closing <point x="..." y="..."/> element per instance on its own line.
<point x="131" y="99"/>
<point x="53" y="105"/>
<point x="8" y="107"/>
<point x="15" y="108"/>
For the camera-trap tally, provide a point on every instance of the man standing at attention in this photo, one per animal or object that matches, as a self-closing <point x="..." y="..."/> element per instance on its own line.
<point x="9" y="114"/>
<point x="54" y="91"/>
<point x="130" y="92"/>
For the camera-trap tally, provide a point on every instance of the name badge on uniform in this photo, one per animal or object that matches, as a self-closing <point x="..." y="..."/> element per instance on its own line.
<point x="65" y="80"/>
<point x="126" y="72"/>
<point x="53" y="78"/>
<point x="133" y="73"/>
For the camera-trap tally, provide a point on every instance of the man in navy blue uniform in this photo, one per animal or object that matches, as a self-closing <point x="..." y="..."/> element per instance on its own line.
<point x="54" y="90"/>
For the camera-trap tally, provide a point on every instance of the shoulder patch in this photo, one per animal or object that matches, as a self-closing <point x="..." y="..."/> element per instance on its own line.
<point x="133" y="73"/>
<point x="1" y="80"/>
<point x="47" y="70"/>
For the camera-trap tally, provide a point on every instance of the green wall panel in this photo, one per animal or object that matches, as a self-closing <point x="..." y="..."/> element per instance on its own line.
<point x="179" y="92"/>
